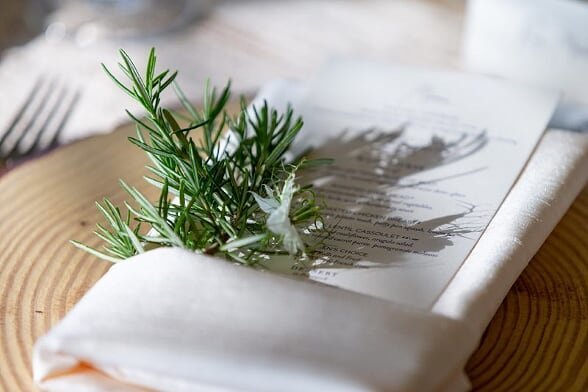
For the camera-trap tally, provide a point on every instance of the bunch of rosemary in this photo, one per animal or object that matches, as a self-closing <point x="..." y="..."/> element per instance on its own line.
<point x="225" y="185"/>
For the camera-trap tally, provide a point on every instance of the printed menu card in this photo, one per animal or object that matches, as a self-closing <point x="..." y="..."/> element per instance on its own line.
<point x="422" y="161"/>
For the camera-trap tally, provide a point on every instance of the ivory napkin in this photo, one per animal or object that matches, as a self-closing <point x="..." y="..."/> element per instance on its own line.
<point x="173" y="320"/>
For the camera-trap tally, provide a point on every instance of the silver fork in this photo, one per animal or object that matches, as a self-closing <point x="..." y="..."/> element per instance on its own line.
<point x="39" y="121"/>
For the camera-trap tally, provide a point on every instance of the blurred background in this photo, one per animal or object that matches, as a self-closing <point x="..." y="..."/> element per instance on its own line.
<point x="542" y="42"/>
<point x="250" y="42"/>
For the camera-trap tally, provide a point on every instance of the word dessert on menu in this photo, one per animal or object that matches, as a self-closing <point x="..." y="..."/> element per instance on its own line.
<point x="423" y="159"/>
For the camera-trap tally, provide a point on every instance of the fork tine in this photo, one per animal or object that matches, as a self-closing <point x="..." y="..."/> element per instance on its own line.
<point x="72" y="104"/>
<point x="21" y="111"/>
<point x="51" y="110"/>
<point x="61" y="95"/>
<point x="28" y="127"/>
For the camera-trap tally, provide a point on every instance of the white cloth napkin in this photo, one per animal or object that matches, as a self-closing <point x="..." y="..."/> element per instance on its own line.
<point x="172" y="320"/>
<point x="176" y="321"/>
<point x="554" y="176"/>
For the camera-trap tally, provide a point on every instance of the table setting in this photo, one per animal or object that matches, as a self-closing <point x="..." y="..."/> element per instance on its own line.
<point x="295" y="196"/>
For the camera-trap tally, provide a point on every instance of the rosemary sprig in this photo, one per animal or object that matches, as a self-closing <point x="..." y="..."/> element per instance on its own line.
<point x="225" y="185"/>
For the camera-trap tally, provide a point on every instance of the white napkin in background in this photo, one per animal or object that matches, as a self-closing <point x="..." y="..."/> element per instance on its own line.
<point x="541" y="42"/>
<point x="175" y="321"/>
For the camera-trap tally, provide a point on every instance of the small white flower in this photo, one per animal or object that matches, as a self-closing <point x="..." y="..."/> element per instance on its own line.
<point x="278" y="221"/>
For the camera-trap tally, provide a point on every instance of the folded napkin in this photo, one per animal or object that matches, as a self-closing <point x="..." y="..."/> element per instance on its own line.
<point x="173" y="320"/>
<point x="553" y="177"/>
<point x="511" y="39"/>
<point x="176" y="321"/>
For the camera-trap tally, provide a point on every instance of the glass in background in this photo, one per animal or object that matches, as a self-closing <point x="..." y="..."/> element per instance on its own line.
<point x="88" y="20"/>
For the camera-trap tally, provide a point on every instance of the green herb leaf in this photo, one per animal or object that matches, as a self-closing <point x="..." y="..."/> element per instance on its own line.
<point x="210" y="173"/>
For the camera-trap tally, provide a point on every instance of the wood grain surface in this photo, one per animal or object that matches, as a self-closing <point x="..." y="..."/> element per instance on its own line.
<point x="537" y="340"/>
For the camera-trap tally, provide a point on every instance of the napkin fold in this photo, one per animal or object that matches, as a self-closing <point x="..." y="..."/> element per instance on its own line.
<point x="555" y="174"/>
<point x="170" y="319"/>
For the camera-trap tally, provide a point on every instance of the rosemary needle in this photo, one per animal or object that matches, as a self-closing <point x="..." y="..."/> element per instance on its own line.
<point x="231" y="193"/>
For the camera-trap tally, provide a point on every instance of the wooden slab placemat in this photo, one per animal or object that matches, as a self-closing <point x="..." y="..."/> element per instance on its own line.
<point x="537" y="340"/>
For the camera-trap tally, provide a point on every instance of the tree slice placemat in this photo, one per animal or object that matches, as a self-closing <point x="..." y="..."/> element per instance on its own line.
<point x="536" y="341"/>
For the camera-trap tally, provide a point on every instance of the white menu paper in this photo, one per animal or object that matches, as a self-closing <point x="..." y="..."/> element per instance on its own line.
<point x="423" y="159"/>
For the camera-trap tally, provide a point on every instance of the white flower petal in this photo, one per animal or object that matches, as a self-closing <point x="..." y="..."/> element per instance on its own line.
<point x="292" y="242"/>
<point x="287" y="192"/>
<point x="267" y="205"/>
<point x="278" y="221"/>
